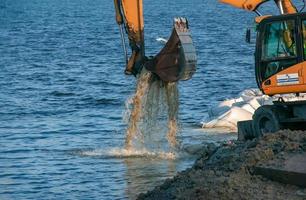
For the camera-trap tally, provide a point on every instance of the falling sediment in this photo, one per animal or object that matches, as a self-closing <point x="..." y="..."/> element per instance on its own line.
<point x="136" y="113"/>
<point x="151" y="114"/>
<point x="172" y="96"/>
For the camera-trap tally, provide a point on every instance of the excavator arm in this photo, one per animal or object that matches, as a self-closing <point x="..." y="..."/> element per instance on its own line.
<point x="129" y="16"/>
<point x="176" y="61"/>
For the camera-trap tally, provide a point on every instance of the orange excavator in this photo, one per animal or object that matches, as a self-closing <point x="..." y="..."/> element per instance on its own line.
<point x="280" y="60"/>
<point x="176" y="61"/>
<point x="280" y="68"/>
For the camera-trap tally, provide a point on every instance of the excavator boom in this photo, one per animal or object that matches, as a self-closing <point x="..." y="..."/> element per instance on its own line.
<point x="285" y="6"/>
<point x="250" y="5"/>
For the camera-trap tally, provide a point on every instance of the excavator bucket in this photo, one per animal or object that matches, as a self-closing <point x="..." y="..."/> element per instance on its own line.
<point x="177" y="60"/>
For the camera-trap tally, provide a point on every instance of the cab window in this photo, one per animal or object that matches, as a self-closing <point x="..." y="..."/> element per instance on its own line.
<point x="278" y="47"/>
<point x="304" y="37"/>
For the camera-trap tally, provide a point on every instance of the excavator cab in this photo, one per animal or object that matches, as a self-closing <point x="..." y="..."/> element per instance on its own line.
<point x="280" y="68"/>
<point x="280" y="54"/>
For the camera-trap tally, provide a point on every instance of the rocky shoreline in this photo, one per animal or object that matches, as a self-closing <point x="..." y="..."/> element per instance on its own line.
<point x="227" y="171"/>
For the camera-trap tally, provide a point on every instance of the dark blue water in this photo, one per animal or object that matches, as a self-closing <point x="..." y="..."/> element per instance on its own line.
<point x="62" y="93"/>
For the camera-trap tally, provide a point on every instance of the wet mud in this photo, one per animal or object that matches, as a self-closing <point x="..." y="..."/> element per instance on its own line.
<point x="226" y="171"/>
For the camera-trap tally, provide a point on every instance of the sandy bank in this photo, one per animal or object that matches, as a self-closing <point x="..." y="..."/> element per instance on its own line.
<point x="226" y="172"/>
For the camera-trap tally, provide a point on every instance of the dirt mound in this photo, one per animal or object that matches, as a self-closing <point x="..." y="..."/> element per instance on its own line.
<point x="226" y="172"/>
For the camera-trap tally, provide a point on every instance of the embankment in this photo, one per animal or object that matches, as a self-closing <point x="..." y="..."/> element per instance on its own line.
<point x="226" y="172"/>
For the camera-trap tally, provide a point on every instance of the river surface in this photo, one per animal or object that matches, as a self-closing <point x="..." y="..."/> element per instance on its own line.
<point x="63" y="93"/>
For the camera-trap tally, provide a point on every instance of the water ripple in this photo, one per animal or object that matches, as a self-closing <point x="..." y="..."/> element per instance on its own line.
<point x="62" y="94"/>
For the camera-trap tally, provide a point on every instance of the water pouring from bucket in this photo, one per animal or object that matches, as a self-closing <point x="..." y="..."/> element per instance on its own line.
<point x="152" y="114"/>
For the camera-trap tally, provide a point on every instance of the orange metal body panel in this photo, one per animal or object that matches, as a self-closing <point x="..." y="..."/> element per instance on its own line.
<point x="260" y="18"/>
<point x="249" y="5"/>
<point x="276" y="88"/>
<point x="133" y="13"/>
<point x="288" y="7"/>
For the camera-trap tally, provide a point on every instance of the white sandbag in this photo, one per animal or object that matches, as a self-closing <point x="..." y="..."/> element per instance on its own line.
<point x="229" y="119"/>
<point x="229" y="112"/>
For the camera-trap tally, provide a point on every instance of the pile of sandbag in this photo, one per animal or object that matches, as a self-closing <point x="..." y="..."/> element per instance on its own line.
<point x="229" y="112"/>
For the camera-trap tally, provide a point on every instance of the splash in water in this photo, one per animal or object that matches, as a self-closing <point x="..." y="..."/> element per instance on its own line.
<point x="126" y="153"/>
<point x="152" y="114"/>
